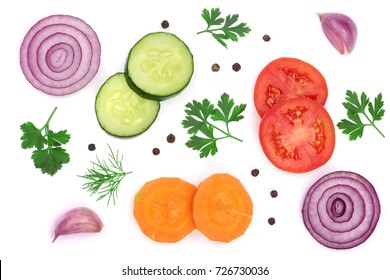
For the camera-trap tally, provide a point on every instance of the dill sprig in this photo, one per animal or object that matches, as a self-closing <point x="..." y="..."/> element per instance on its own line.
<point x="104" y="178"/>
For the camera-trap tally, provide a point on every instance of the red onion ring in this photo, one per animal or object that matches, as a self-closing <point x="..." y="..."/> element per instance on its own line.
<point x="341" y="210"/>
<point x="60" y="54"/>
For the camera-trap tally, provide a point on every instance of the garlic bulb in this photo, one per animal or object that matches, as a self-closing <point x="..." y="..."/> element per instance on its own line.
<point x="78" y="220"/>
<point x="340" y="30"/>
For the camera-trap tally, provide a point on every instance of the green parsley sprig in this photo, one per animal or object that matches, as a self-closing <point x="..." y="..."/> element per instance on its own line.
<point x="48" y="155"/>
<point x="223" y="29"/>
<point x="354" y="127"/>
<point x="104" y="178"/>
<point x="201" y="118"/>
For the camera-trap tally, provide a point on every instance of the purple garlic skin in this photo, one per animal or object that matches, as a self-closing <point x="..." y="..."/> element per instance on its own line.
<point x="340" y="30"/>
<point x="78" y="220"/>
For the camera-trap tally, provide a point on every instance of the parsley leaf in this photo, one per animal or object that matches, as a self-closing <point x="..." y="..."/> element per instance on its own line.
<point x="224" y="113"/>
<point x="48" y="155"/>
<point x="354" y="126"/>
<point x="32" y="137"/>
<point x="50" y="160"/>
<point x="201" y="118"/>
<point x="224" y="28"/>
<point x="58" y="138"/>
<point x="213" y="17"/>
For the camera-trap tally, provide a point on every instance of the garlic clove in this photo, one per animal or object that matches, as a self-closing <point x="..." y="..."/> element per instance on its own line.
<point x="78" y="220"/>
<point x="340" y="30"/>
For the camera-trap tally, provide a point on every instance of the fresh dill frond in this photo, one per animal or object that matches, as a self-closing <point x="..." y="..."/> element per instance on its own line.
<point x="104" y="177"/>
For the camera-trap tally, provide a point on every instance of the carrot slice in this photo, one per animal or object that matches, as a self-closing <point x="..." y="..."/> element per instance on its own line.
<point x="163" y="209"/>
<point x="222" y="208"/>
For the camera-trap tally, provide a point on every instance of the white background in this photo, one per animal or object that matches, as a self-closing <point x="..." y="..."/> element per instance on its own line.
<point x="32" y="202"/>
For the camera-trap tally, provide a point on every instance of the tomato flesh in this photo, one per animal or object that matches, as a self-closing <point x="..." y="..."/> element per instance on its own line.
<point x="285" y="78"/>
<point x="297" y="135"/>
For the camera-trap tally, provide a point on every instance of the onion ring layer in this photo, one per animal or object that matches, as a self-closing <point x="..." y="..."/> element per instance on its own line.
<point x="341" y="210"/>
<point x="60" y="54"/>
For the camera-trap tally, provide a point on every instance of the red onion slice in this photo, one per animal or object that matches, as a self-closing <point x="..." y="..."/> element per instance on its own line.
<point x="60" y="54"/>
<point x="341" y="210"/>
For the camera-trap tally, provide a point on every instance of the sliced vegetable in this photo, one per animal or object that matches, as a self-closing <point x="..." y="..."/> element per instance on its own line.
<point x="200" y="122"/>
<point x="60" y="54"/>
<point x="159" y="66"/>
<point x="222" y="208"/>
<point x="49" y="154"/>
<point x="78" y="220"/>
<point x="354" y="126"/>
<point x="163" y="209"/>
<point x="341" y="210"/>
<point x="297" y="135"/>
<point x="120" y="111"/>
<point x="285" y="78"/>
<point x="340" y="30"/>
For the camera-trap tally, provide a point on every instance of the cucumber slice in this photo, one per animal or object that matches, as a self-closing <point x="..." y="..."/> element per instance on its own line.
<point x="159" y="66"/>
<point x="120" y="111"/>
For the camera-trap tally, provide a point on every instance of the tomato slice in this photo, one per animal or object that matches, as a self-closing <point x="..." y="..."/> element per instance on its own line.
<point x="297" y="135"/>
<point x="286" y="78"/>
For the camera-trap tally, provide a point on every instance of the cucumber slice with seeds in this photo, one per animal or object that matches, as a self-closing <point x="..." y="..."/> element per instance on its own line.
<point x="120" y="111"/>
<point x="159" y="66"/>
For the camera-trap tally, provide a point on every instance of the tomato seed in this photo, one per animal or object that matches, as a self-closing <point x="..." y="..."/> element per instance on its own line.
<point x="266" y="38"/>
<point x="91" y="147"/>
<point x="255" y="172"/>
<point x="236" y="67"/>
<point x="164" y="24"/>
<point x="274" y="193"/>
<point x="156" y="151"/>
<point x="271" y="221"/>
<point x="171" y="138"/>
<point x="215" y="67"/>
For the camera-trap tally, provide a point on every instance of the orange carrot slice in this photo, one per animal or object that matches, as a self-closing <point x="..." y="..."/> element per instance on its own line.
<point x="222" y="208"/>
<point x="163" y="209"/>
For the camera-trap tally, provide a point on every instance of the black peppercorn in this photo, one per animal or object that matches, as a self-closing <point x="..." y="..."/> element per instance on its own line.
<point x="236" y="67"/>
<point x="266" y="38"/>
<point x="171" y="138"/>
<point x="255" y="172"/>
<point x="164" y="24"/>
<point x="91" y="147"/>
<point x="156" y="151"/>
<point x="271" y="221"/>
<point x="274" y="193"/>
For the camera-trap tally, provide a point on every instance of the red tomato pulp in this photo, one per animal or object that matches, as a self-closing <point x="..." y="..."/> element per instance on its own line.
<point x="286" y="78"/>
<point x="297" y="135"/>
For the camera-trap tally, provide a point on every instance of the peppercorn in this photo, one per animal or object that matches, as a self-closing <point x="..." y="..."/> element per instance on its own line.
<point x="255" y="172"/>
<point x="91" y="147"/>
<point x="274" y="193"/>
<point x="164" y="24"/>
<point x="171" y="138"/>
<point x="266" y="38"/>
<point x="156" y="151"/>
<point x="236" y="67"/>
<point x="215" y="67"/>
<point x="271" y="221"/>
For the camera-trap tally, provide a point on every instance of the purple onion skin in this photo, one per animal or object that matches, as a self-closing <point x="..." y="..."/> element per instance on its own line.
<point x="60" y="54"/>
<point x="340" y="30"/>
<point x="341" y="210"/>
